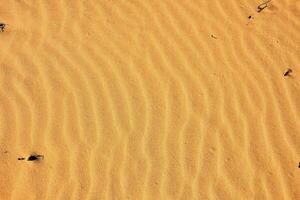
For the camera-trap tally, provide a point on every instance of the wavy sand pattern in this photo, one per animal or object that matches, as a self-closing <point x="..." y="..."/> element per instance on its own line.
<point x="150" y="100"/>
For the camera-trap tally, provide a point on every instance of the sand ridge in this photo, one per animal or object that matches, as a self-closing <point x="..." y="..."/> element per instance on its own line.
<point x="149" y="100"/>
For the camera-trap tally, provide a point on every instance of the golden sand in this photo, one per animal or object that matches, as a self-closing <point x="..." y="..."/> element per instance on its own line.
<point x="150" y="100"/>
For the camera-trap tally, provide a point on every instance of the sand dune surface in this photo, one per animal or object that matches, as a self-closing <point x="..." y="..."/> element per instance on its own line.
<point x="150" y="100"/>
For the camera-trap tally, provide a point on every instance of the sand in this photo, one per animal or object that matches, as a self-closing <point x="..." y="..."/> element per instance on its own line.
<point x="150" y="100"/>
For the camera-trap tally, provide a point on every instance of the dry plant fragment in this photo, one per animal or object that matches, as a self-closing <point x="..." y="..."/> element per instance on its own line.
<point x="288" y="72"/>
<point x="262" y="6"/>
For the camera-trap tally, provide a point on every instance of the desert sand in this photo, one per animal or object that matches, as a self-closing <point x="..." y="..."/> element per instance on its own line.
<point x="150" y="100"/>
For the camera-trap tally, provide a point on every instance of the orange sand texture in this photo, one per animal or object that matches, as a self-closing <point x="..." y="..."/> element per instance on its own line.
<point x="150" y="100"/>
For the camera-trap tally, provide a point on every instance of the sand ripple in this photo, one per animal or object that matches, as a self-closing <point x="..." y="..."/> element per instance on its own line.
<point x="150" y="100"/>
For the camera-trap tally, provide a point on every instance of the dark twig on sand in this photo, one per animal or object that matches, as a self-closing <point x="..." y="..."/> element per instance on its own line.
<point x="35" y="157"/>
<point x="2" y="27"/>
<point x="32" y="157"/>
<point x="288" y="72"/>
<point x="262" y="6"/>
<point x="213" y="36"/>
